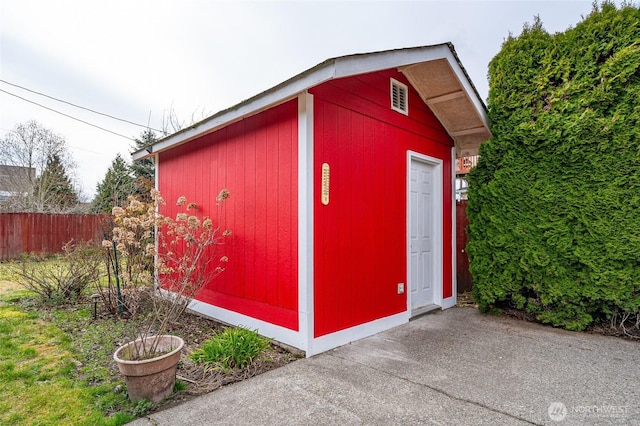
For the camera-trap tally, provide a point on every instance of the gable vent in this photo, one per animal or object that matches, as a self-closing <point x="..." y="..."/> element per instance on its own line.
<point x="399" y="97"/>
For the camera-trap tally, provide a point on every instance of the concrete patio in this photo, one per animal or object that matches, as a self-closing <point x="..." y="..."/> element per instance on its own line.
<point x="452" y="367"/>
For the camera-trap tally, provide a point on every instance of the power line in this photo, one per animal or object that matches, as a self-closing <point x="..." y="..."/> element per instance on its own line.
<point x="79" y="106"/>
<point x="67" y="115"/>
<point x="82" y="149"/>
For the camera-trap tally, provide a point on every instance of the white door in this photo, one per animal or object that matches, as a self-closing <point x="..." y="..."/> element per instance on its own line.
<point x="422" y="208"/>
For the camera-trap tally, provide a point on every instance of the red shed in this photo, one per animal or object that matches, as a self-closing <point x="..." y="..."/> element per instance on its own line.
<point x="342" y="194"/>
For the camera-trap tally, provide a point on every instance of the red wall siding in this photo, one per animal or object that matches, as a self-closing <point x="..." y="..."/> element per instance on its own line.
<point x="256" y="160"/>
<point x="360" y="237"/>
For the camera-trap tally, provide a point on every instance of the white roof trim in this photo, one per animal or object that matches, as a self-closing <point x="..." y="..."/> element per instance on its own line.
<point x="333" y="68"/>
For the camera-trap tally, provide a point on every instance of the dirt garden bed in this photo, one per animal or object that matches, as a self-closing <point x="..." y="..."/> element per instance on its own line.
<point x="95" y="340"/>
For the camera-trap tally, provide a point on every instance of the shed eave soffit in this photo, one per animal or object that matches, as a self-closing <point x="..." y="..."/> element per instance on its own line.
<point x="444" y="87"/>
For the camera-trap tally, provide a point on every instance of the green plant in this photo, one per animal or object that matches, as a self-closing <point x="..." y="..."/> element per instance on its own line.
<point x="142" y="407"/>
<point x="56" y="363"/>
<point x="38" y="375"/>
<point x="63" y="280"/>
<point x="179" y="385"/>
<point x="553" y="201"/>
<point x="232" y="348"/>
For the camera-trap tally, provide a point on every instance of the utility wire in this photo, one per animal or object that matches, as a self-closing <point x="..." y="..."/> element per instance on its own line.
<point x="67" y="115"/>
<point x="78" y="106"/>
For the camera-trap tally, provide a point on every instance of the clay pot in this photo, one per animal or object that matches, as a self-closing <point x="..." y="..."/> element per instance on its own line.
<point x="151" y="378"/>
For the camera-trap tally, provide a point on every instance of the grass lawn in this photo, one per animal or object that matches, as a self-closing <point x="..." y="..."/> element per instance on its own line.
<point x="56" y="364"/>
<point x="42" y="380"/>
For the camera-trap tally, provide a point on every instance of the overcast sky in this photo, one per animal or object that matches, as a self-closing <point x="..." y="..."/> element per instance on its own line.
<point x="137" y="59"/>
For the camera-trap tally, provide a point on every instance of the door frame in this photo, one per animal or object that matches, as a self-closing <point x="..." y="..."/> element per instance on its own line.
<point x="437" y="272"/>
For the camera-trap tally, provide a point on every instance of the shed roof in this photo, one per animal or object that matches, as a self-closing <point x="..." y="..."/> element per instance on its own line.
<point x="434" y="71"/>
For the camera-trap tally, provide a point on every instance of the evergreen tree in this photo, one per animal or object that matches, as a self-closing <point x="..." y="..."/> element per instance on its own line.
<point x="115" y="187"/>
<point x="122" y="179"/>
<point x="554" y="200"/>
<point x="53" y="190"/>
<point x="144" y="170"/>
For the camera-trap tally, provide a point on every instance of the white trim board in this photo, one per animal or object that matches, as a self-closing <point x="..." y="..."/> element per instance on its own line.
<point x="343" y="337"/>
<point x="344" y="66"/>
<point x="305" y="220"/>
<point x="275" y="332"/>
<point x="450" y="302"/>
<point x="296" y="339"/>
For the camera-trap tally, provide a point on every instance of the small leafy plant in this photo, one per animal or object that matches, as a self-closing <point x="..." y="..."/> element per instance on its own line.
<point x="234" y="348"/>
<point x="142" y="407"/>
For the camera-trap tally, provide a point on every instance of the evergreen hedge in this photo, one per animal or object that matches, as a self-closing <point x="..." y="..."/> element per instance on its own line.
<point x="554" y="202"/>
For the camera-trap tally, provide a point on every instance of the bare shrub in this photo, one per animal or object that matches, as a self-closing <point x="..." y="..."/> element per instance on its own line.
<point x="628" y="323"/>
<point x="63" y="279"/>
<point x="129" y="270"/>
<point x="185" y="254"/>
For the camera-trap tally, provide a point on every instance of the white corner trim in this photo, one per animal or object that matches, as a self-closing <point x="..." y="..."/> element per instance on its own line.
<point x="156" y="180"/>
<point x="342" y="337"/>
<point x="454" y="248"/>
<point x="449" y="302"/>
<point x="305" y="220"/>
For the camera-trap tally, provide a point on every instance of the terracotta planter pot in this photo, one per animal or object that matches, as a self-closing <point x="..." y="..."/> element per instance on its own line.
<point x="151" y="378"/>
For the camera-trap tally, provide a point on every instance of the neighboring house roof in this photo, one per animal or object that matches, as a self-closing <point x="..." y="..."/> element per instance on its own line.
<point x="14" y="180"/>
<point x="10" y="176"/>
<point x="434" y="71"/>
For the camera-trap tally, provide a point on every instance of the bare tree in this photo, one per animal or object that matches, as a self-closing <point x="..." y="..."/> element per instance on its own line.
<point x="25" y="151"/>
<point x="172" y="124"/>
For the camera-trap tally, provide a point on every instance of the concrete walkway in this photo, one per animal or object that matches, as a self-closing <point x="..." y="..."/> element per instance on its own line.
<point x="455" y="367"/>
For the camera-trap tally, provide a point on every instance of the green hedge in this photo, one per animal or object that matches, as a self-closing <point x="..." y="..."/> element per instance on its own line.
<point x="554" y="202"/>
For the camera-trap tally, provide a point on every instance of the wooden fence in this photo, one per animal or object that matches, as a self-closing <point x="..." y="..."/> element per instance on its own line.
<point x="462" y="261"/>
<point x="45" y="233"/>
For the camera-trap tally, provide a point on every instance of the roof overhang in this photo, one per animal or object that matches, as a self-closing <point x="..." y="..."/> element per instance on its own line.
<point x="454" y="100"/>
<point x="434" y="71"/>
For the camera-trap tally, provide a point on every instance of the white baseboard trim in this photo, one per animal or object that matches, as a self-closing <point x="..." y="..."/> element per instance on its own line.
<point x="295" y="339"/>
<point x="342" y="337"/>
<point x="449" y="302"/>
<point x="275" y="332"/>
